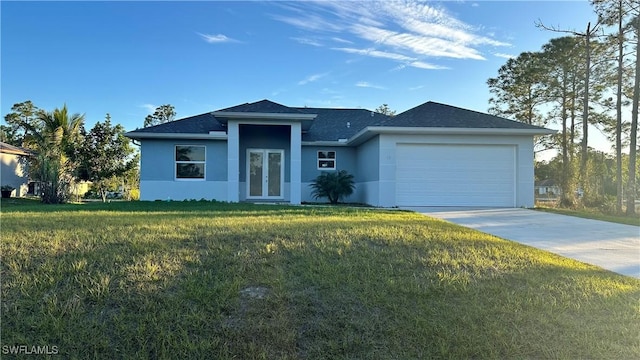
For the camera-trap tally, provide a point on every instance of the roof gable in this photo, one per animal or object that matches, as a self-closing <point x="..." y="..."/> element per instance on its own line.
<point x="433" y="114"/>
<point x="262" y="106"/>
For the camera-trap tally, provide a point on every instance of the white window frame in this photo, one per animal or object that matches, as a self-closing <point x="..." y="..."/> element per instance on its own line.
<point x="334" y="159"/>
<point x="176" y="162"/>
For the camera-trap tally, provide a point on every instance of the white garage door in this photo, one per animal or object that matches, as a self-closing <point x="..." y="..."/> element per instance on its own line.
<point x="455" y="175"/>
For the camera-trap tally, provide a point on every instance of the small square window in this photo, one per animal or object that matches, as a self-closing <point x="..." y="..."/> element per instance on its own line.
<point x="326" y="160"/>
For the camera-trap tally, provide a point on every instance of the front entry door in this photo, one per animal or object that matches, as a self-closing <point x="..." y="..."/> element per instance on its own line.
<point x="265" y="174"/>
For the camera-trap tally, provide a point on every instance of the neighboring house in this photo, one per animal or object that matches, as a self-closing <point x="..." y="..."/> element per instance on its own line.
<point x="430" y="155"/>
<point x="14" y="168"/>
<point x="547" y="189"/>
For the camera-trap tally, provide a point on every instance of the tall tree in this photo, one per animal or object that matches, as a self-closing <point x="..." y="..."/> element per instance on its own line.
<point x="614" y="12"/>
<point x="106" y="154"/>
<point x="163" y="114"/>
<point x="563" y="66"/>
<point x="631" y="185"/>
<point x="587" y="37"/>
<point x="517" y="91"/>
<point x="22" y="117"/>
<point x="55" y="137"/>
<point x="385" y="110"/>
<point x="10" y="135"/>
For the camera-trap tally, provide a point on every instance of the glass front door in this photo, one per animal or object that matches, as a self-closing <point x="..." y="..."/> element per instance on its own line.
<point x="265" y="170"/>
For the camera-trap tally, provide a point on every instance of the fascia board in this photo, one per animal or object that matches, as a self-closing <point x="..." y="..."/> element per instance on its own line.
<point x="370" y="131"/>
<point x="192" y="136"/>
<point x="325" y="143"/>
<point x="462" y="131"/>
<point x="15" y="152"/>
<point x="257" y="115"/>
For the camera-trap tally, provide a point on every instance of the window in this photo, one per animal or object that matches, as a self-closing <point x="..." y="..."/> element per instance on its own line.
<point x="326" y="160"/>
<point x="190" y="161"/>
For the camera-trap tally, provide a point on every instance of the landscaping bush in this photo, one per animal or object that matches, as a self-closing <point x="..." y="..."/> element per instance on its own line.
<point x="333" y="185"/>
<point x="134" y="194"/>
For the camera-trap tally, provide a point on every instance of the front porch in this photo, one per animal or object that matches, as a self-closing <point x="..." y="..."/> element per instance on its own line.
<point x="264" y="156"/>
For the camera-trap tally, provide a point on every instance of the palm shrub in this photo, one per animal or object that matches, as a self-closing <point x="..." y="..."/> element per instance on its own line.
<point x="55" y="139"/>
<point x="333" y="185"/>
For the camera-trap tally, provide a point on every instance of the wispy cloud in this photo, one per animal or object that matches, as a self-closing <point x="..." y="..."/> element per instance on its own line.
<point x="376" y="53"/>
<point x="413" y="88"/>
<point x="366" y="84"/>
<point x="216" y="39"/>
<point x="307" y="41"/>
<point x="408" y="61"/>
<point x="504" y="56"/>
<point x="417" y="44"/>
<point x="341" y="40"/>
<point x="150" y="108"/>
<point x="412" y="32"/>
<point x="427" y="66"/>
<point x="310" y="22"/>
<point x="312" y="78"/>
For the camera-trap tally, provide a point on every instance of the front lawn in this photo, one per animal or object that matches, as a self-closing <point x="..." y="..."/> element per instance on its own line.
<point x="222" y="281"/>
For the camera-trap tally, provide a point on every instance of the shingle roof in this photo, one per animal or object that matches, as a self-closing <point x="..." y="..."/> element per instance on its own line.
<point x="332" y="124"/>
<point x="198" y="124"/>
<point x="546" y="182"/>
<point x="433" y="114"/>
<point x="262" y="106"/>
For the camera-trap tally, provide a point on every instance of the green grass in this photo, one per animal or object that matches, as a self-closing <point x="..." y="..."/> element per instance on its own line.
<point x="240" y="281"/>
<point x="596" y="215"/>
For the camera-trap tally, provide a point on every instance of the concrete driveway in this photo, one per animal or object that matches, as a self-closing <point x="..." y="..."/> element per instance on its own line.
<point x="612" y="246"/>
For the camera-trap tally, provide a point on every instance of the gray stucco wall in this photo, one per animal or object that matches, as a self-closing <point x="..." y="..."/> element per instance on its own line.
<point x="158" y="159"/>
<point x="345" y="160"/>
<point x="368" y="166"/>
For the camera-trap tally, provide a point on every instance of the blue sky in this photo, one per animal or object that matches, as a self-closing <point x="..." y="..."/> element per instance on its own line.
<point x="126" y="58"/>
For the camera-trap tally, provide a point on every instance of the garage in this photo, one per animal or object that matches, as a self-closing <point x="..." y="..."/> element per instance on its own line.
<point x="455" y="175"/>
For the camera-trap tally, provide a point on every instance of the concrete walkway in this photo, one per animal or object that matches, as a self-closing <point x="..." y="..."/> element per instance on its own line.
<point x="612" y="246"/>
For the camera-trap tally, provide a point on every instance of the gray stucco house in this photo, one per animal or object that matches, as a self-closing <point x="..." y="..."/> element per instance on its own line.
<point x="430" y="155"/>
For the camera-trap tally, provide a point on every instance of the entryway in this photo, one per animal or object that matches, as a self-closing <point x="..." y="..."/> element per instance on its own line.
<point x="265" y="173"/>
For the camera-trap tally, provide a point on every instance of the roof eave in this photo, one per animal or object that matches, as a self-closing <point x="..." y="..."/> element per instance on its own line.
<point x="325" y="143"/>
<point x="370" y="131"/>
<point x="260" y="115"/>
<point x="15" y="152"/>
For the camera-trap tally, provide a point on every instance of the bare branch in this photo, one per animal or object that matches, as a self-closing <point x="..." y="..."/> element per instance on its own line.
<point x="590" y="31"/>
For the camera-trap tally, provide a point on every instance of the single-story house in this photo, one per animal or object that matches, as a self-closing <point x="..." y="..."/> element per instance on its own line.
<point x="14" y="168"/>
<point x="547" y="188"/>
<point x="431" y="155"/>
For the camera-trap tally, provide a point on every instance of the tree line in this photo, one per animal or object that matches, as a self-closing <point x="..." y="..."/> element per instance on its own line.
<point x="584" y="78"/>
<point x="65" y="153"/>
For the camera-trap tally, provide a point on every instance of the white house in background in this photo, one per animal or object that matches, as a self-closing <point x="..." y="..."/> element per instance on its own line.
<point x="547" y="189"/>
<point x="431" y="155"/>
<point x="14" y="168"/>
